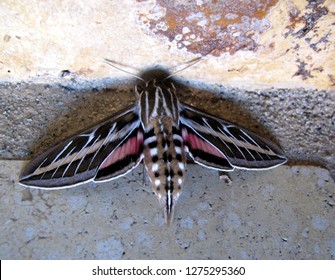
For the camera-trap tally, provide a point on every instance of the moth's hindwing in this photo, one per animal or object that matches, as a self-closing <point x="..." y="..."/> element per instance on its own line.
<point x="104" y="151"/>
<point x="215" y="143"/>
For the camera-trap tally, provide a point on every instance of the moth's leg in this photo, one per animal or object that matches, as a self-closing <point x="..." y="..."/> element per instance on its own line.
<point x="144" y="178"/>
<point x="145" y="181"/>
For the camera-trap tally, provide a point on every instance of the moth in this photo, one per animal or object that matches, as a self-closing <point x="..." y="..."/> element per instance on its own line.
<point x="161" y="131"/>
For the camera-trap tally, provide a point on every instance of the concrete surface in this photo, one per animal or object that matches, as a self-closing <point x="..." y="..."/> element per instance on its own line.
<point x="274" y="214"/>
<point x="53" y="82"/>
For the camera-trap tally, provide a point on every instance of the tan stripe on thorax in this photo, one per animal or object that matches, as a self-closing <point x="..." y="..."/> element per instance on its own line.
<point x="158" y="100"/>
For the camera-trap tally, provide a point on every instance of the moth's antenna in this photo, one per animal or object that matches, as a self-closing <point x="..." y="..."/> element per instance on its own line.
<point x="112" y="63"/>
<point x="188" y="64"/>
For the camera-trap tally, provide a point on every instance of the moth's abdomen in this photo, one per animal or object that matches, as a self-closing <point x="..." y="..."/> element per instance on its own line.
<point x="164" y="158"/>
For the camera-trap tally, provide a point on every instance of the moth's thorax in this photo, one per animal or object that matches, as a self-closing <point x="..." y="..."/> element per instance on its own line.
<point x="165" y="159"/>
<point x="157" y="99"/>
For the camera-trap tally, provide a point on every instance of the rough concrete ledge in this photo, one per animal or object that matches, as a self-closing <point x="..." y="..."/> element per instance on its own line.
<point x="274" y="214"/>
<point x="36" y="116"/>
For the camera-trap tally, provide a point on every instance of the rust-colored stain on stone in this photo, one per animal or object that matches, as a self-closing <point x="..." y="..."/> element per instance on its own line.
<point x="203" y="27"/>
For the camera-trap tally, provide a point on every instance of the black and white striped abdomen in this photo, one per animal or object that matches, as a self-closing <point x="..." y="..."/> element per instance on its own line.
<point x="164" y="158"/>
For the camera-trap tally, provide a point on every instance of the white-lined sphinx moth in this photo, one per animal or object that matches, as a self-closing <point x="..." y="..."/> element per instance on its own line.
<point x="160" y="130"/>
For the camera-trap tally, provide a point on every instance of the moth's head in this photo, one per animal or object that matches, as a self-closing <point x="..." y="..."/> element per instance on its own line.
<point x="152" y="79"/>
<point x="154" y="73"/>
